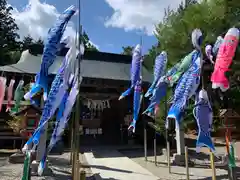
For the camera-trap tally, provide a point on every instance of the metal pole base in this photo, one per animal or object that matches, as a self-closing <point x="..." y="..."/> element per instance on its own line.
<point x="82" y="175"/>
<point x="155" y="150"/>
<point x="145" y="141"/>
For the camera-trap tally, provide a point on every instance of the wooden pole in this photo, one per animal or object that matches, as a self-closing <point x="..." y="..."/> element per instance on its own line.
<point x="213" y="166"/>
<point x="155" y="148"/>
<point x="186" y="163"/>
<point x="144" y="121"/>
<point x="73" y="149"/>
<point x="82" y="175"/>
<point x="76" y="162"/>
<point x="167" y="137"/>
<point x="72" y="137"/>
<point x="168" y="157"/>
<point x="145" y="140"/>
<point x="227" y="135"/>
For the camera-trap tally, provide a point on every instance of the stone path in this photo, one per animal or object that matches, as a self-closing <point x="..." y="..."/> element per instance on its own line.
<point x="110" y="164"/>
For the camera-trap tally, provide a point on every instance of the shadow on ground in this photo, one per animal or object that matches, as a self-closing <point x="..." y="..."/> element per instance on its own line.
<point x="60" y="162"/>
<point x="107" y="168"/>
<point x="139" y="150"/>
<point x="98" y="177"/>
<point x="191" y="143"/>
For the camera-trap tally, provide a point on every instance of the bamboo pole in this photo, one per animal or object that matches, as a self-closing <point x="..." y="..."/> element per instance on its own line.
<point x="186" y="163"/>
<point x="213" y="166"/>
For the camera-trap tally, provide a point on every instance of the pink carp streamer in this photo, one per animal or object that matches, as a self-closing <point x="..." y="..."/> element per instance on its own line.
<point x="3" y="82"/>
<point x="224" y="59"/>
<point x="10" y="94"/>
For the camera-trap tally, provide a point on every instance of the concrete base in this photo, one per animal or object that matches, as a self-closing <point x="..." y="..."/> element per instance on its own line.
<point x="164" y="153"/>
<point x="46" y="172"/>
<point x="179" y="160"/>
<point x="58" y="149"/>
<point x="17" y="158"/>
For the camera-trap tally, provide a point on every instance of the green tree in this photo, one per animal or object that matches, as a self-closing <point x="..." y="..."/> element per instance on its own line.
<point x="8" y="33"/>
<point x="39" y="42"/>
<point x="87" y="44"/>
<point x="213" y="17"/>
<point x="27" y="42"/>
<point x="127" y="50"/>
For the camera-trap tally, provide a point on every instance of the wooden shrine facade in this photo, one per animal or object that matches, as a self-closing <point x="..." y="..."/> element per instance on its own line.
<point x="109" y="125"/>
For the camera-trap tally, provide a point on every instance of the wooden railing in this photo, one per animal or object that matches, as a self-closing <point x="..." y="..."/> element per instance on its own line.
<point x="6" y="134"/>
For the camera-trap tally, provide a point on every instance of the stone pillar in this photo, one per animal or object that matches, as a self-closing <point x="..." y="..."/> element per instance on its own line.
<point x="179" y="158"/>
<point x="180" y="140"/>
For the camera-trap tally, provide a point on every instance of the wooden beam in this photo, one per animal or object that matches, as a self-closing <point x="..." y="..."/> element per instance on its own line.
<point x="104" y="86"/>
<point x="24" y="103"/>
<point x="100" y="95"/>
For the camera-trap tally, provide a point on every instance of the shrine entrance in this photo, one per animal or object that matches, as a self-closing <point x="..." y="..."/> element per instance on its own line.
<point x="102" y="114"/>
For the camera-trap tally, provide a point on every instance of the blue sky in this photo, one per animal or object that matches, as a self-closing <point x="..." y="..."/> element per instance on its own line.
<point x="95" y="13"/>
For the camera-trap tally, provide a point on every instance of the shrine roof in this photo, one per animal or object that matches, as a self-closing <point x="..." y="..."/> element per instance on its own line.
<point x="94" y="65"/>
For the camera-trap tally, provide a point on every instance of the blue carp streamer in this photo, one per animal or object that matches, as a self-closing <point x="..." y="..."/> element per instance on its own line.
<point x="204" y="116"/>
<point x="59" y="87"/>
<point x="49" y="53"/>
<point x="136" y="85"/>
<point x="185" y="89"/>
<point x="136" y="68"/>
<point x="159" y="70"/>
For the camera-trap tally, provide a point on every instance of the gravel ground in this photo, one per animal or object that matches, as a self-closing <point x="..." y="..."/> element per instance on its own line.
<point x="60" y="169"/>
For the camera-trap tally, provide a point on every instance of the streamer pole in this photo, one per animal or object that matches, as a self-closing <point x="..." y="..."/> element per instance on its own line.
<point x="76" y="142"/>
<point x="144" y="121"/>
<point x="186" y="163"/>
<point x="213" y="166"/>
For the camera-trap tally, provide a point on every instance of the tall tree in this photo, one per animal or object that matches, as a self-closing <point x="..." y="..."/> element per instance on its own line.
<point x="27" y="42"/>
<point x="39" y="42"/>
<point x="8" y="33"/>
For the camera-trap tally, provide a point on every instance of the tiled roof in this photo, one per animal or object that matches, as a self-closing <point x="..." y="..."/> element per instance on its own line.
<point x="29" y="63"/>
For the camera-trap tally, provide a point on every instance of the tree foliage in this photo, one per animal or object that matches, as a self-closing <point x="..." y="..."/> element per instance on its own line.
<point x="213" y="17"/>
<point x="10" y="45"/>
<point x="87" y="43"/>
<point x="8" y="33"/>
<point x="127" y="50"/>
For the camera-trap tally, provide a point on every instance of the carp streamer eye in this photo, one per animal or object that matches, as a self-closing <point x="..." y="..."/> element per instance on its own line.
<point x="200" y="40"/>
